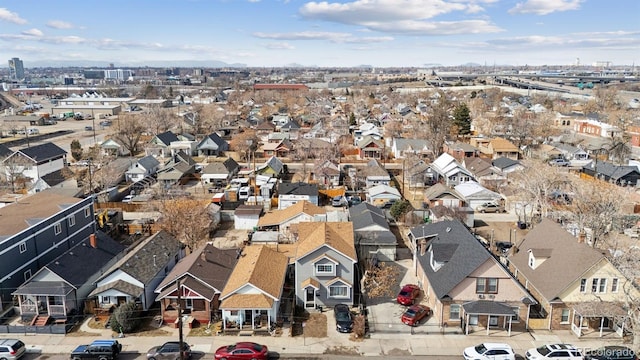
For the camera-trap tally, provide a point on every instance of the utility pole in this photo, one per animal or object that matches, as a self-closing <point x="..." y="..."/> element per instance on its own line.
<point x="180" y="342"/>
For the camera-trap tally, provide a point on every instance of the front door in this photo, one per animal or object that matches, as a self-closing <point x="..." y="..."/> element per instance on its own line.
<point x="310" y="298"/>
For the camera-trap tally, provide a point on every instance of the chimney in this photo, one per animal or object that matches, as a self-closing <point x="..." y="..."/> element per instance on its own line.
<point x="581" y="236"/>
<point x="203" y="255"/>
<point x="93" y="241"/>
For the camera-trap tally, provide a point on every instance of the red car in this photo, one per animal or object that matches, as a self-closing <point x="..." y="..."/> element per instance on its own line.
<point x="242" y="350"/>
<point x="408" y="294"/>
<point x="414" y="314"/>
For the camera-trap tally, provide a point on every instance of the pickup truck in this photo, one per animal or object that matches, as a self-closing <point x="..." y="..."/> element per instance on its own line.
<point x="99" y="349"/>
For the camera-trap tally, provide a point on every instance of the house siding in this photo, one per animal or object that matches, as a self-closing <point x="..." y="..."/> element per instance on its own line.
<point x="305" y="269"/>
<point x="42" y="245"/>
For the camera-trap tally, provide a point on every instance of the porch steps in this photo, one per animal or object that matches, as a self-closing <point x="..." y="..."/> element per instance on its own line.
<point x="40" y="320"/>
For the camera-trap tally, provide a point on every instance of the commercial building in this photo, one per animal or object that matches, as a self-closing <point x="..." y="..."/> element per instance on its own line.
<point x="16" y="69"/>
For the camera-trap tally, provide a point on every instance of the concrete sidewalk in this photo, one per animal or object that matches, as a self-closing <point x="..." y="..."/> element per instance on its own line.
<point x="340" y="344"/>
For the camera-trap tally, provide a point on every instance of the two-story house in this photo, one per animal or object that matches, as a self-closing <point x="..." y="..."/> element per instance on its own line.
<point x="463" y="283"/>
<point x="142" y="168"/>
<point x="448" y="170"/>
<point x="373" y="174"/>
<point x="586" y="293"/>
<point x="37" y="229"/>
<point x="325" y="264"/>
<point x="212" y="145"/>
<point x="34" y="162"/>
<point x="160" y="145"/>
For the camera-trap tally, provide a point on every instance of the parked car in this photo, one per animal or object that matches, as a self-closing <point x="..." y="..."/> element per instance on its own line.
<point x="415" y="314"/>
<point x="128" y="198"/>
<point x="354" y="200"/>
<point x="408" y="294"/>
<point x="11" y="349"/>
<point x="490" y="208"/>
<point x="559" y="162"/>
<point x="554" y="352"/>
<point x="388" y="204"/>
<point x="338" y="201"/>
<point x="242" y="350"/>
<point x="489" y="351"/>
<point x="88" y="128"/>
<point x="169" y="351"/>
<point x="99" y="349"/>
<point x="344" y="318"/>
<point x="611" y="352"/>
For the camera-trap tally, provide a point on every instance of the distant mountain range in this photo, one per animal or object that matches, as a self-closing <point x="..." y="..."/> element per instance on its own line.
<point x="106" y="64"/>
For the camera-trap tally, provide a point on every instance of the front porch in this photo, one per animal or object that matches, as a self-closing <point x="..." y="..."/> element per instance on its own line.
<point x="484" y="316"/>
<point x="45" y="299"/>
<point x="599" y="319"/>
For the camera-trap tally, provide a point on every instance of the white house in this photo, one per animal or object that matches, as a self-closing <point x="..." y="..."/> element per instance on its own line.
<point x="142" y="168"/>
<point x="475" y="194"/>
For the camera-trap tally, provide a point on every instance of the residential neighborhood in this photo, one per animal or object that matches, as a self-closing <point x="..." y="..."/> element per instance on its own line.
<point x="266" y="210"/>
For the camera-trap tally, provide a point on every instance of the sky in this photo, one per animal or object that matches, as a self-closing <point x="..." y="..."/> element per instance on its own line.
<point x="275" y="33"/>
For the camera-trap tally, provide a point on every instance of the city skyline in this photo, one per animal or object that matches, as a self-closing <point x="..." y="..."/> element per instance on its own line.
<point x="273" y="33"/>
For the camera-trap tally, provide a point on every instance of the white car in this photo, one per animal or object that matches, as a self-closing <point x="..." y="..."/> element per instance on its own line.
<point x="489" y="351"/>
<point x="554" y="352"/>
<point x="128" y="198"/>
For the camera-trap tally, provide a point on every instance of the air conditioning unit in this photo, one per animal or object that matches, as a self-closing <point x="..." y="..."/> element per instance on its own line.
<point x="480" y="296"/>
<point x="492" y="296"/>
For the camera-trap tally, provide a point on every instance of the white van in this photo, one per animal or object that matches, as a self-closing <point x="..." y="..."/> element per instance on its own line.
<point x="33" y="131"/>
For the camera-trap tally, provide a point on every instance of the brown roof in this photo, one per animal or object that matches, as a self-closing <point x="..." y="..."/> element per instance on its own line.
<point x="500" y="144"/>
<point x="337" y="235"/>
<point x="277" y="217"/>
<point x="248" y="210"/>
<point x="261" y="267"/>
<point x="20" y="215"/>
<point x="310" y="282"/>
<point x="567" y="262"/>
<point x="247" y="301"/>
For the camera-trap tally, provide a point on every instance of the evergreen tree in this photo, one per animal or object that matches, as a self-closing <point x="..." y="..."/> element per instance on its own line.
<point x="462" y="119"/>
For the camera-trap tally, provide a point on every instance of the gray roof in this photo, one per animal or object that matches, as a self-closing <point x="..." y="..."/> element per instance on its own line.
<point x="274" y="163"/>
<point x="437" y="191"/>
<point x="364" y="215"/>
<point x="462" y="146"/>
<point x="455" y="242"/>
<point x="121" y="286"/>
<point x="43" y="152"/>
<point x="503" y="163"/>
<point x="414" y="144"/>
<point x="297" y="188"/>
<point x="140" y="262"/>
<point x="196" y="271"/>
<point x="610" y="170"/>
<point x="566" y="258"/>
<point x="487" y="307"/>
<point x="226" y="167"/>
<point x="374" y="168"/>
<point x="77" y="265"/>
<point x="148" y="162"/>
<point x="167" y="137"/>
<point x="44" y="288"/>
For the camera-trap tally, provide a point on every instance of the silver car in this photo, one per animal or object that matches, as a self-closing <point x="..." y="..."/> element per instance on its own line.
<point x="490" y="208"/>
<point x="11" y="349"/>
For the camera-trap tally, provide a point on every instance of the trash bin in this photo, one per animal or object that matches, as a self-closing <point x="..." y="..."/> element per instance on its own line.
<point x="522" y="225"/>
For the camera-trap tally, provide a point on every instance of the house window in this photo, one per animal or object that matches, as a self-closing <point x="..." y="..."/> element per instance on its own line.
<point x="87" y="212"/>
<point x="106" y="300"/>
<point x="27" y="275"/>
<point x="324" y="269"/>
<point x="338" y="291"/>
<point x="493" y="321"/>
<point x="583" y="285"/>
<point x="564" y="318"/>
<point x="188" y="303"/>
<point x="614" y="285"/>
<point x="72" y="221"/>
<point x="23" y="247"/>
<point x="454" y="312"/>
<point x="516" y="316"/>
<point x="57" y="228"/>
<point x="486" y="286"/>
<point x="599" y="285"/>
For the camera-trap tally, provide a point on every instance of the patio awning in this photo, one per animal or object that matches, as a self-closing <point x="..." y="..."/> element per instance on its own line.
<point x="247" y="301"/>
<point x="121" y="286"/>
<point x="598" y="309"/>
<point x="44" y="288"/>
<point x="486" y="307"/>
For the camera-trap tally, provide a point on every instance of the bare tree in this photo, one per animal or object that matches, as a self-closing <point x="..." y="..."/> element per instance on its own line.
<point x="129" y="131"/>
<point x="381" y="280"/>
<point x="627" y="262"/>
<point x="437" y="126"/>
<point x="186" y="219"/>
<point x="15" y="166"/>
<point x="244" y="143"/>
<point x="155" y="119"/>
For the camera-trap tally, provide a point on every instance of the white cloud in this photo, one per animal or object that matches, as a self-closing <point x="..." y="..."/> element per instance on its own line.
<point x="323" y="36"/>
<point x="280" y="46"/>
<point x="32" y="32"/>
<point x="59" y="24"/>
<point x="545" y="7"/>
<point x="410" y="17"/>
<point x="6" y="15"/>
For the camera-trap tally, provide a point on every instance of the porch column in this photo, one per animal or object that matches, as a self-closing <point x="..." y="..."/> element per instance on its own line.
<point x="509" y="332"/>
<point x="580" y="328"/>
<point x="466" y="328"/>
<point x="550" y="315"/>
<point x="488" y="323"/>
<point x="601" y="325"/>
<point x="526" y="323"/>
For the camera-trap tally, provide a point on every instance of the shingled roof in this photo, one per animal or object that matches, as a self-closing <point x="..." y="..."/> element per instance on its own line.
<point x="43" y="152"/>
